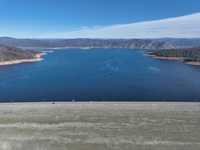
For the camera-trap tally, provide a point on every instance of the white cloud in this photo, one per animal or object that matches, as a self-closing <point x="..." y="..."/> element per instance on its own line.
<point x="179" y="27"/>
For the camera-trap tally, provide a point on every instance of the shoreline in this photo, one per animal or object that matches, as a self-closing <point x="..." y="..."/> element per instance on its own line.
<point x="179" y="59"/>
<point x="100" y="103"/>
<point x="19" y="61"/>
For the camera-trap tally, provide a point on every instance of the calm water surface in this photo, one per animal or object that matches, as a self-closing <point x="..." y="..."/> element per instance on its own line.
<point x="109" y="75"/>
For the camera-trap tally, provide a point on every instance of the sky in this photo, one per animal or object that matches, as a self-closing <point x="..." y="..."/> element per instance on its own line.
<point x="100" y="18"/>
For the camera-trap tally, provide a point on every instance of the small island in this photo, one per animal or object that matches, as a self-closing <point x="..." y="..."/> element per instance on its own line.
<point x="11" y="55"/>
<point x="189" y="56"/>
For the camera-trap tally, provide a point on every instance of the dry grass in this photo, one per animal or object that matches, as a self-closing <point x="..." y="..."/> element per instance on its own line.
<point x="100" y="126"/>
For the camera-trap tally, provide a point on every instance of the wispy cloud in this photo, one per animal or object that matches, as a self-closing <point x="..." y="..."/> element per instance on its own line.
<point x="179" y="27"/>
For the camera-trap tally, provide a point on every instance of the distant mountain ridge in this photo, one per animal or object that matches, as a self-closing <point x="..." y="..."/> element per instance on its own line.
<point x="24" y="42"/>
<point x="88" y="43"/>
<point x="182" y="42"/>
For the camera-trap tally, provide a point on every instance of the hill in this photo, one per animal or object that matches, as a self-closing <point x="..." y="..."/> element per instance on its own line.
<point x="88" y="43"/>
<point x="187" y="55"/>
<point x="13" y="55"/>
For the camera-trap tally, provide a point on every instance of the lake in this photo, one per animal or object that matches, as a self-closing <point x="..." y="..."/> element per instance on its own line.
<point x="99" y="75"/>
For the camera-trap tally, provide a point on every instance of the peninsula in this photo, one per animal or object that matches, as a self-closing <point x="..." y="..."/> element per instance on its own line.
<point x="189" y="56"/>
<point x="12" y="55"/>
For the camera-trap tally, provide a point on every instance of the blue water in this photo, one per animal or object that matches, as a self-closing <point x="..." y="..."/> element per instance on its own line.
<point x="109" y="75"/>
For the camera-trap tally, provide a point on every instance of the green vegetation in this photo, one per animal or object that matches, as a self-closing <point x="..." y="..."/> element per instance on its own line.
<point x="188" y="54"/>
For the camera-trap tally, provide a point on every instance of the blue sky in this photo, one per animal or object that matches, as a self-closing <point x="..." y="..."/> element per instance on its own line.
<point x="84" y="18"/>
